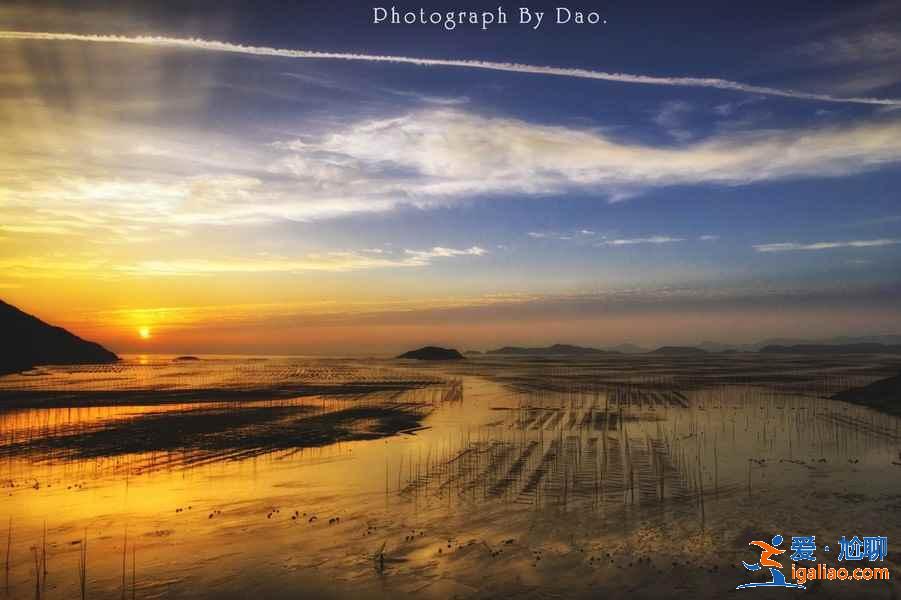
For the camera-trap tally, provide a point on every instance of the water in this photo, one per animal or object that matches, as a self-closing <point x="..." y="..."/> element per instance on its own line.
<point x="230" y="478"/>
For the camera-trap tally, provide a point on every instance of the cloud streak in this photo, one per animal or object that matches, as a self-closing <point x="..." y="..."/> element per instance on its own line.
<point x="656" y="239"/>
<point x="339" y="261"/>
<point x="794" y="246"/>
<point x="335" y="262"/>
<point x="218" y="46"/>
<point x="425" y="257"/>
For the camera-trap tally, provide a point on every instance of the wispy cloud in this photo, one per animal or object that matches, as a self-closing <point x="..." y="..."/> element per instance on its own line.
<point x="876" y="221"/>
<point x="656" y="239"/>
<point x="455" y="153"/>
<point x="218" y="46"/>
<point x="727" y="109"/>
<point x="880" y="45"/>
<point x="427" y="158"/>
<point x="793" y="246"/>
<point x="587" y="236"/>
<point x="671" y="116"/>
<point x="431" y="99"/>
<point x="424" y="257"/>
<point x="708" y="238"/>
<point x="550" y="235"/>
<point x="53" y="267"/>
<point x="580" y="235"/>
<point x="853" y="51"/>
<point x="335" y="261"/>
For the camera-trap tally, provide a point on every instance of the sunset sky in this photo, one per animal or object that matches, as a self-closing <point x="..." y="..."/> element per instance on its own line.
<point x="175" y="195"/>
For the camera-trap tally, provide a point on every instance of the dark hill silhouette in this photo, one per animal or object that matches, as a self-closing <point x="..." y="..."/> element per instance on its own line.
<point x="865" y="348"/>
<point x="28" y="342"/>
<point x="679" y="350"/>
<point x="884" y="395"/>
<point x="555" y="349"/>
<point x="627" y="349"/>
<point x="715" y="347"/>
<point x="432" y="353"/>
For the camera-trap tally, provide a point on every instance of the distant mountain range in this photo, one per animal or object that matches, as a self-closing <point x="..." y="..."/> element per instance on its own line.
<point x="627" y="349"/>
<point x="570" y="350"/>
<point x="555" y="349"/>
<point x="885" y="340"/>
<point x="863" y="348"/>
<point x="680" y="350"/>
<point x="27" y="342"/>
<point x="890" y="344"/>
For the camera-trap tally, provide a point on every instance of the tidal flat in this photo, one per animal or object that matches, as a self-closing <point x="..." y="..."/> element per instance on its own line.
<point x="534" y="477"/>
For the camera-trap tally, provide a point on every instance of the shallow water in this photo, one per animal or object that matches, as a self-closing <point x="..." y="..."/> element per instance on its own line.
<point x="552" y="478"/>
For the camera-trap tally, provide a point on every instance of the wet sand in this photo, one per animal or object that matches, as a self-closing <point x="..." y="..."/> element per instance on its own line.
<point x="537" y="478"/>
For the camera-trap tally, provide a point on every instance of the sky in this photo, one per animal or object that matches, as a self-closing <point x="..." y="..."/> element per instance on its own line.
<point x="259" y="178"/>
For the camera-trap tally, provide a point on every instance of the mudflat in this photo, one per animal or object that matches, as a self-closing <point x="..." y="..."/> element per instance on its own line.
<point x="495" y="476"/>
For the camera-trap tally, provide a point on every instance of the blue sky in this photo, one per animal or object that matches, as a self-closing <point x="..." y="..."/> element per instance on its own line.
<point x="392" y="191"/>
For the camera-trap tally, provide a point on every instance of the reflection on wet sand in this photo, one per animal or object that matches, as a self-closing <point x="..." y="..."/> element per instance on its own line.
<point x="648" y="448"/>
<point x="190" y="434"/>
<point x="533" y="478"/>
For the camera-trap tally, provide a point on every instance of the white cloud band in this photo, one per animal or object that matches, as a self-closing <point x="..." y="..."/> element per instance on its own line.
<point x="217" y="46"/>
<point x="794" y="246"/>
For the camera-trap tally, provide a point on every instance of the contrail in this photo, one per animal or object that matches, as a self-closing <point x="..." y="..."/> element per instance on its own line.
<point x="216" y="46"/>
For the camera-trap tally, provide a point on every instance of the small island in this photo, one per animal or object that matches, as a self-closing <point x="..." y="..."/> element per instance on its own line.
<point x="432" y="353"/>
<point x="185" y="358"/>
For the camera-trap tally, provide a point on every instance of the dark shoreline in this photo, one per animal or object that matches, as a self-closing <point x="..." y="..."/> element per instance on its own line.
<point x="883" y="395"/>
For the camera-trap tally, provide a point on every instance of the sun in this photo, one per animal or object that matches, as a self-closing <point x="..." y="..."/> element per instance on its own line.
<point x="144" y="332"/>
